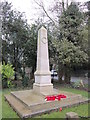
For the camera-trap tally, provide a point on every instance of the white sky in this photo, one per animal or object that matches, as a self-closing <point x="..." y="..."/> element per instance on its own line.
<point x="28" y="6"/>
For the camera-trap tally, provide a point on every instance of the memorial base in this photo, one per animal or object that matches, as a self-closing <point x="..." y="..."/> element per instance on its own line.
<point x="28" y="104"/>
<point x="45" y="89"/>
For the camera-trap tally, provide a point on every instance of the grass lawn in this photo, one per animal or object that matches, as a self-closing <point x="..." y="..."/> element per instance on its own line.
<point x="7" y="111"/>
<point x="82" y="110"/>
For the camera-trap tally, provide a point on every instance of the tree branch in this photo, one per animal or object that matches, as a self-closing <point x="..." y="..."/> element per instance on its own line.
<point x="41" y="5"/>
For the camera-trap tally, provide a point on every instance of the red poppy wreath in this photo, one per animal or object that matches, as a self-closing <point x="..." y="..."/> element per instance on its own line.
<point x="55" y="97"/>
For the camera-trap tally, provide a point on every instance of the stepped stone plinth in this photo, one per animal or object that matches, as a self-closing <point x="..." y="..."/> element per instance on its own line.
<point x="28" y="104"/>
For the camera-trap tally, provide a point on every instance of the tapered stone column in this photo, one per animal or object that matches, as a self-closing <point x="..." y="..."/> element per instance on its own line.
<point x="42" y="75"/>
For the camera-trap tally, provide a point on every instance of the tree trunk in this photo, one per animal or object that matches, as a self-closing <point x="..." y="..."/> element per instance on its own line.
<point x="67" y="75"/>
<point x="15" y="78"/>
<point x="32" y="73"/>
<point x="60" y="72"/>
<point x="63" y="5"/>
<point x="67" y="4"/>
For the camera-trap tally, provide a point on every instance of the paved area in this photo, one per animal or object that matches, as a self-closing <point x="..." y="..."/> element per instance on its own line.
<point x="28" y="104"/>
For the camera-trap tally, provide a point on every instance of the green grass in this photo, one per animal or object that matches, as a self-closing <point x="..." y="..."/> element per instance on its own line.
<point x="82" y="110"/>
<point x="83" y="93"/>
<point x="7" y="111"/>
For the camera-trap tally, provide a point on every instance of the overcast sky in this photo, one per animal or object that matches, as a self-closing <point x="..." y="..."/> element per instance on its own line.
<point x="28" y="6"/>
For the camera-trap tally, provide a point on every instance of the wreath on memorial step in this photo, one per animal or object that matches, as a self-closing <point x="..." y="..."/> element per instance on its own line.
<point x="55" y="97"/>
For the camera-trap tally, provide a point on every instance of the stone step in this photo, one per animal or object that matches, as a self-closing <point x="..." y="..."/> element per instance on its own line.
<point x="57" y="104"/>
<point x="30" y="99"/>
<point x="24" y="112"/>
<point x="35" y="100"/>
<point x="17" y="106"/>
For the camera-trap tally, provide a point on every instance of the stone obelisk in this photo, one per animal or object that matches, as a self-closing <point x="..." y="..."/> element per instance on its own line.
<point x="42" y="75"/>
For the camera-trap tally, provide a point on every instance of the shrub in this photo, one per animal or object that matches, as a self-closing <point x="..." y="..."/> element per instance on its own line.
<point x="7" y="75"/>
<point x="78" y="84"/>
